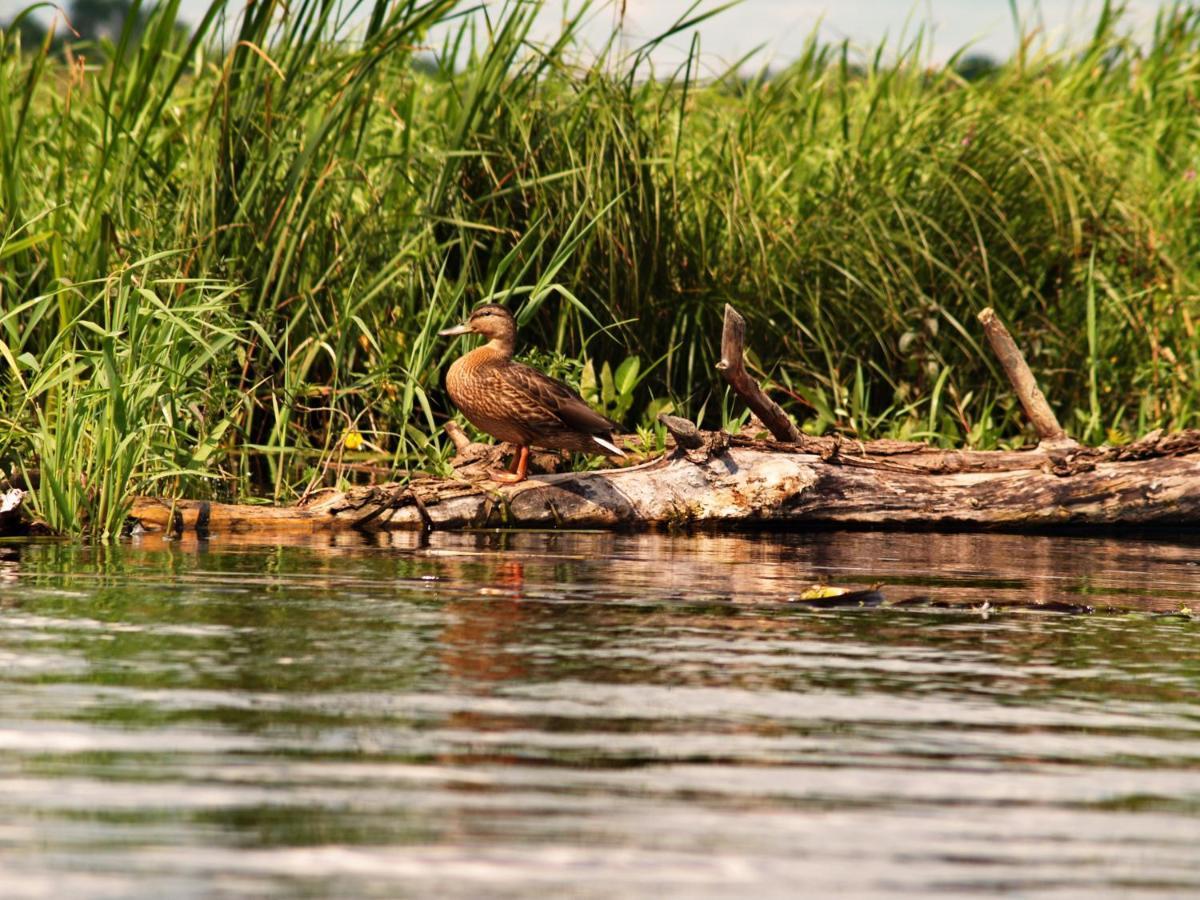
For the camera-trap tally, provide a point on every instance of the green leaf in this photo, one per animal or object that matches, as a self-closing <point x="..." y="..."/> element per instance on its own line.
<point x="587" y="383"/>
<point x="627" y="375"/>
<point x="608" y="388"/>
<point x="13" y="247"/>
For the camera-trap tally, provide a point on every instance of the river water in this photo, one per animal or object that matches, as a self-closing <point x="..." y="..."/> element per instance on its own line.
<point x="596" y="715"/>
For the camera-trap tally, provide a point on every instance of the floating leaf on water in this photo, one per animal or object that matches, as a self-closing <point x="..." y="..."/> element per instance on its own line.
<point x="824" y="595"/>
<point x="822" y="592"/>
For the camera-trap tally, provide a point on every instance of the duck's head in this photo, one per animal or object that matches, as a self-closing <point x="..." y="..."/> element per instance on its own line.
<point x="491" y="320"/>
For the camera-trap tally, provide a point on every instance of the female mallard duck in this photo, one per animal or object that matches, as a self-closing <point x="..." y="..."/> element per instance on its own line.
<point x="516" y="403"/>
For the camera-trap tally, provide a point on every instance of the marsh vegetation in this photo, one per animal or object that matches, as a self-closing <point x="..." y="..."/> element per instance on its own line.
<point x="225" y="249"/>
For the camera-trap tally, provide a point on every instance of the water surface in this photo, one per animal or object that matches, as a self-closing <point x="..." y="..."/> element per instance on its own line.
<point x="538" y="714"/>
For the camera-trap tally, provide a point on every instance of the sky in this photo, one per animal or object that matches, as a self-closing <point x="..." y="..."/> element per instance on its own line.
<point x="780" y="27"/>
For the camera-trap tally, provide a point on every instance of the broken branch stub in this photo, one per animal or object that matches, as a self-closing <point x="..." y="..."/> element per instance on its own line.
<point x="733" y="369"/>
<point x="686" y="434"/>
<point x="457" y="436"/>
<point x="1033" y="401"/>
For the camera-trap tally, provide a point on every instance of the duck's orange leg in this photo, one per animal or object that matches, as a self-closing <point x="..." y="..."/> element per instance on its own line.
<point x="517" y="470"/>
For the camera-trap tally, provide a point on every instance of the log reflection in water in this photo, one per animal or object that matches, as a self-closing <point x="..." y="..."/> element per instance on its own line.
<point x="1149" y="573"/>
<point x="954" y="569"/>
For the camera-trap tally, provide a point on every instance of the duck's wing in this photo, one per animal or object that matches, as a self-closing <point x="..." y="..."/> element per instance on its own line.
<point x="549" y="401"/>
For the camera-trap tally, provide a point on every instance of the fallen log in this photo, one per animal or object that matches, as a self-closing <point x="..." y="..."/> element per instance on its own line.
<point x="754" y="483"/>
<point x="715" y="479"/>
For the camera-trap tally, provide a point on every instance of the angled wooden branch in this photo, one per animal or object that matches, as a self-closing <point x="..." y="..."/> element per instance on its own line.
<point x="733" y="368"/>
<point x="1033" y="401"/>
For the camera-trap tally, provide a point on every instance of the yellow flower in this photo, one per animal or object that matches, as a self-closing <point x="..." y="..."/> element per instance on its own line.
<point x="1117" y="438"/>
<point x="352" y="440"/>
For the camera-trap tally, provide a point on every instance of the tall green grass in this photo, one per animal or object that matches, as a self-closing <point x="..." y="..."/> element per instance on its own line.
<point x="121" y="398"/>
<point x="309" y="192"/>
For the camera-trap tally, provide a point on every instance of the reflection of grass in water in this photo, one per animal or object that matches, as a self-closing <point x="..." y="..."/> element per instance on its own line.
<point x="259" y="663"/>
<point x="355" y="202"/>
<point x="1144" y="803"/>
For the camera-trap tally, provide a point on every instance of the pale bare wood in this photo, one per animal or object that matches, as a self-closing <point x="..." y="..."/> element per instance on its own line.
<point x="743" y="483"/>
<point x="457" y="435"/>
<point x="1024" y="385"/>
<point x="12" y="520"/>
<point x="202" y="517"/>
<point x="10" y="500"/>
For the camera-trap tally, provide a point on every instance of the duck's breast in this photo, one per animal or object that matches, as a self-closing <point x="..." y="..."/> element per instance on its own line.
<point x="476" y="388"/>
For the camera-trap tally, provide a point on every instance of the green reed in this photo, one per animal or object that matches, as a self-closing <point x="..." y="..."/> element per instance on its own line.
<point x="309" y="192"/>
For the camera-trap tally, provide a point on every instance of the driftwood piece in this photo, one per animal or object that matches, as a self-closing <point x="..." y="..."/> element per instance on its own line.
<point x="1024" y="385"/>
<point x="684" y="432"/>
<point x="733" y="369"/>
<point x="750" y="484"/>
<point x="11" y="500"/>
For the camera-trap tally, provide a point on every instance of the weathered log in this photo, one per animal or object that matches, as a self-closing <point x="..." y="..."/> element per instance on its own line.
<point x="754" y="483"/>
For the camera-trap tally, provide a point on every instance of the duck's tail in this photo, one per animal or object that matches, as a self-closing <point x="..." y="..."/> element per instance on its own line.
<point x="611" y="448"/>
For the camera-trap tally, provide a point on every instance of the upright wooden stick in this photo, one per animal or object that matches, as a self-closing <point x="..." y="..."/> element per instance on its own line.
<point x="457" y="435"/>
<point x="1033" y="401"/>
<point x="733" y="369"/>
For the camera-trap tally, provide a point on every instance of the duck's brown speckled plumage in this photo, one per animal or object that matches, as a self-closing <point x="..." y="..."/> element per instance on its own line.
<point x="516" y="403"/>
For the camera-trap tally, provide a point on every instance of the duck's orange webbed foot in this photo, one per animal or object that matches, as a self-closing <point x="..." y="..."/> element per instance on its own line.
<point x="517" y="469"/>
<point x="505" y="477"/>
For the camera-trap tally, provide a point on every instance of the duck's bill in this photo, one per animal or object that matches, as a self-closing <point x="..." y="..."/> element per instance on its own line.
<point x="457" y="329"/>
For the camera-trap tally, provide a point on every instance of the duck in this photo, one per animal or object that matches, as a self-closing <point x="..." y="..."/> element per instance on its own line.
<point x="517" y="403"/>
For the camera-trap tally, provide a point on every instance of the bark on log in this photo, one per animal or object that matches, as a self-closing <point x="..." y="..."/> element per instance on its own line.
<point x="741" y="482"/>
